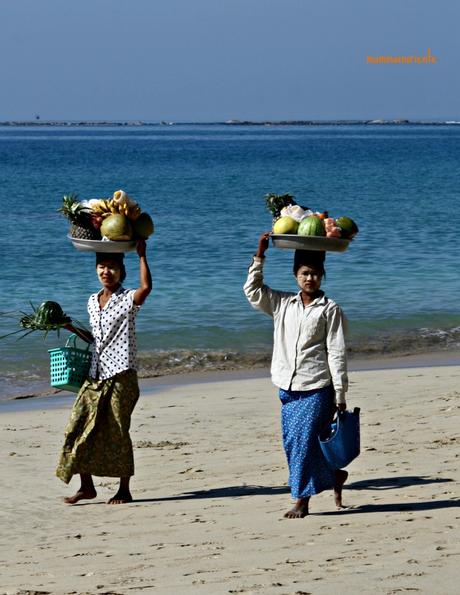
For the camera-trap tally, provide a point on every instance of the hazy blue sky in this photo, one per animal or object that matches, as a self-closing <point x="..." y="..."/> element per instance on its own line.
<point x="201" y="60"/>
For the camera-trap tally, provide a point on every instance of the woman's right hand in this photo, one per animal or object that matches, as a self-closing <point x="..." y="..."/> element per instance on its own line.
<point x="263" y="244"/>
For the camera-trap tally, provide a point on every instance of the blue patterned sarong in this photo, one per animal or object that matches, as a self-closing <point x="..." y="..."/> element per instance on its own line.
<point x="303" y="415"/>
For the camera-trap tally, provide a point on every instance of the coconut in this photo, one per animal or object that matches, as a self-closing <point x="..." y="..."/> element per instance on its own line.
<point x="117" y="227"/>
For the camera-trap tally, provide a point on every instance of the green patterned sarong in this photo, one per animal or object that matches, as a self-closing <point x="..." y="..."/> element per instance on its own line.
<point x="97" y="440"/>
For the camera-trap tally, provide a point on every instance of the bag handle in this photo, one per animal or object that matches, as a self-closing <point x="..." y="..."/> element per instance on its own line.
<point x="72" y="342"/>
<point x="341" y="413"/>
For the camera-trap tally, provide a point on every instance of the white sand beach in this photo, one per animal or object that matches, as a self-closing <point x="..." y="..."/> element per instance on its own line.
<point x="210" y="491"/>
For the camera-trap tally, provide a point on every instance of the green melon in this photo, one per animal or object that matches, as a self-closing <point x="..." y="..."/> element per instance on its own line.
<point x="285" y="225"/>
<point x="348" y="227"/>
<point x="311" y="226"/>
<point x="117" y="228"/>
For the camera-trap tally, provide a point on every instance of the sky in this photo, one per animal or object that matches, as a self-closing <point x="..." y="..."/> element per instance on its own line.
<point x="215" y="60"/>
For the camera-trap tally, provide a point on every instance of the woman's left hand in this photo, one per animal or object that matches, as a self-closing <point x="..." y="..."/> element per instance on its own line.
<point x="341" y="406"/>
<point x="141" y="248"/>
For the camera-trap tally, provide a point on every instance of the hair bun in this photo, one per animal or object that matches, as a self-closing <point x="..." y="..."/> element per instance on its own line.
<point x="312" y="258"/>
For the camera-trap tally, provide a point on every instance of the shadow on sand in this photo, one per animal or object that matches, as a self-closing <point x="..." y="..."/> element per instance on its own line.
<point x="393" y="483"/>
<point x="228" y="492"/>
<point x="383" y="483"/>
<point x="395" y="507"/>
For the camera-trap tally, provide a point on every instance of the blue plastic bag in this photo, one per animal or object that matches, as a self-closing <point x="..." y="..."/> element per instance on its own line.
<point x="340" y="441"/>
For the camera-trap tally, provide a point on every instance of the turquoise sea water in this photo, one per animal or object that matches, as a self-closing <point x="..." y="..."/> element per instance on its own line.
<point x="204" y="186"/>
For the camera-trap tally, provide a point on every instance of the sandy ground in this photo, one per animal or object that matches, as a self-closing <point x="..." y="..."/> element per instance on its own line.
<point x="210" y="490"/>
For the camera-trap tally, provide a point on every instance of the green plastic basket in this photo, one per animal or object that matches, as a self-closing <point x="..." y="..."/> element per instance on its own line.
<point x="69" y="365"/>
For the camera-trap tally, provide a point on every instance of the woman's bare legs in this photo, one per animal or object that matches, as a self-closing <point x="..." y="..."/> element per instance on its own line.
<point x="87" y="490"/>
<point x="299" y="510"/>
<point x="123" y="495"/>
<point x="340" y="479"/>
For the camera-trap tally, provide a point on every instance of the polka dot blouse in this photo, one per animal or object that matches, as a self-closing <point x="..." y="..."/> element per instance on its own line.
<point x="113" y="328"/>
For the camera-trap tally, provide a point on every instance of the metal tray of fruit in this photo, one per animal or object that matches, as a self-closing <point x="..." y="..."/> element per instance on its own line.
<point x="102" y="245"/>
<point x="294" y="242"/>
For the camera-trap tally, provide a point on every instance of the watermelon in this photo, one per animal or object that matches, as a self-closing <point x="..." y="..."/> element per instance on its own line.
<point x="311" y="226"/>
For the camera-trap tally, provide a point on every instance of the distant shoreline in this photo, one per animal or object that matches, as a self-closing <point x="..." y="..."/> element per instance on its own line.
<point x="141" y="123"/>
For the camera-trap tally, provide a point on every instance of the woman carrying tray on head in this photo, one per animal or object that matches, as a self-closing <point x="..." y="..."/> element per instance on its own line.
<point x="97" y="440"/>
<point x="309" y="367"/>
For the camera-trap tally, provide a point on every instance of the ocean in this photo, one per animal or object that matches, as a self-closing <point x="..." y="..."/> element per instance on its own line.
<point x="204" y="186"/>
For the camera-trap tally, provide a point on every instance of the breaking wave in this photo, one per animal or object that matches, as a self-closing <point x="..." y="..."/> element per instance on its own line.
<point x="155" y="363"/>
<point x="183" y="361"/>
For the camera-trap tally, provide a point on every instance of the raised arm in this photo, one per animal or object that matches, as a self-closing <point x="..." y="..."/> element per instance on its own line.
<point x="145" y="287"/>
<point x="259" y="295"/>
<point x="262" y="247"/>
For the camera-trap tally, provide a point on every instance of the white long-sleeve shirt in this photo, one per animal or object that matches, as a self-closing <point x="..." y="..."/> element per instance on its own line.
<point x="308" y="341"/>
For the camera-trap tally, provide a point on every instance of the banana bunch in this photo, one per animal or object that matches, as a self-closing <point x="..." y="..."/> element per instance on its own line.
<point x="120" y="197"/>
<point x="126" y="205"/>
<point x="110" y="206"/>
<point x="132" y="211"/>
<point x="102" y="206"/>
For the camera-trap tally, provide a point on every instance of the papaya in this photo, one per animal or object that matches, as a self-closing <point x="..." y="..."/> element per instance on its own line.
<point x="143" y="226"/>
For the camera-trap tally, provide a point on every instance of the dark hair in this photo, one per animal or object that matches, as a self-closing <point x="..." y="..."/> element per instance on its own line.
<point x="313" y="258"/>
<point x="117" y="257"/>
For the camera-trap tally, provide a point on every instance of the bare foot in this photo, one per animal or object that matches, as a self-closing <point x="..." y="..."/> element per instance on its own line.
<point x="299" y="510"/>
<point x="121" y="497"/>
<point x="82" y="494"/>
<point x="340" y="479"/>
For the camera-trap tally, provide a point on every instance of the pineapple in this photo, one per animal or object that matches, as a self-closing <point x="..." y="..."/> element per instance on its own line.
<point x="276" y="202"/>
<point x="81" y="219"/>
